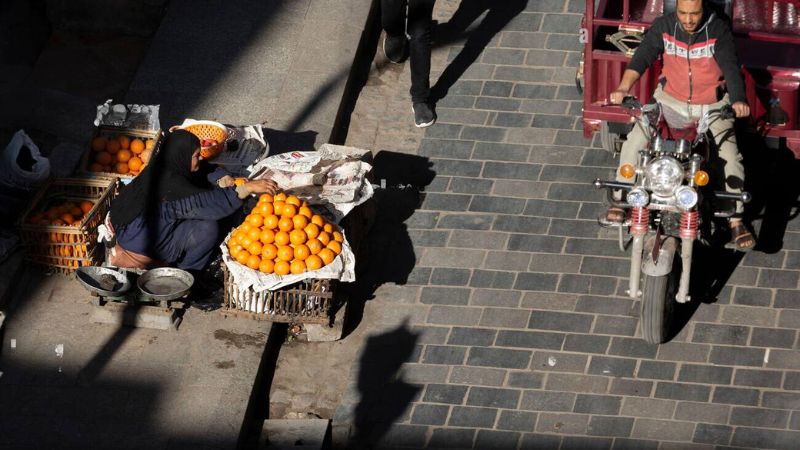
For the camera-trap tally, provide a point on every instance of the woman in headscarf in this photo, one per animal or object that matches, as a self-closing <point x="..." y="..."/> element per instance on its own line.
<point x="168" y="214"/>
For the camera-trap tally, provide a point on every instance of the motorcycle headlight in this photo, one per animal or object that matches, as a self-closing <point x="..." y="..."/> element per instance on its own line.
<point x="685" y="198"/>
<point x="637" y="198"/>
<point x="663" y="175"/>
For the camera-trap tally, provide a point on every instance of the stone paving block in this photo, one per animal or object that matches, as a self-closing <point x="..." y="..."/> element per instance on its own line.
<point x="536" y="281"/>
<point x="472" y="336"/>
<point x="576" y="383"/>
<point x="634" y="444"/>
<point x="610" y="426"/>
<point x="477" y="376"/>
<point x="758" y="378"/>
<point x="494" y="205"/>
<point x="597" y="404"/>
<point x="712" y="434"/>
<point x="560" y="321"/>
<point x="457" y="101"/>
<point x="492" y="279"/>
<point x="573" y="228"/>
<point x="785" y="279"/>
<point x="535" y="243"/>
<point x="683" y="391"/>
<point x="495" y="297"/>
<point x="753" y="437"/>
<point x="617" y="367"/>
<point x="541" y="262"/>
<point x="758" y="417"/>
<point x="521" y="224"/>
<point x="656" y="370"/>
<point x="663" y="430"/>
<point x="648" y="407"/>
<point x="431" y="335"/>
<point x="526" y="339"/>
<point x="586" y="343"/>
<point x="470" y="185"/>
<point x="461" y="116"/>
<point x="429" y="238"/>
<point x="516" y="420"/>
<point x="548" y="107"/>
<point x="446" y="202"/>
<point x="444" y="354"/>
<point x="786" y="299"/>
<point x="447" y="148"/>
<point x="452" y="437"/>
<point x="695" y="373"/>
<point x="429" y="414"/>
<point x="702" y="412"/>
<point x="446" y="257"/>
<point x="478" y="239"/>
<point x="546" y="208"/>
<point x="549" y="300"/>
<point x="552" y="361"/>
<point x="752" y="296"/>
<point x="624" y="326"/>
<point x="776" y="338"/>
<point x="504" y="318"/>
<point x="737" y="356"/>
<point x="449" y="315"/>
<point x="422" y="220"/>
<point x="512" y="120"/>
<point x="589" y="443"/>
<point x="501" y="358"/>
<point x="466" y="221"/>
<point x="562" y="423"/>
<point x="448" y="277"/>
<point x="609" y="306"/>
<point x="748" y="315"/>
<point x="523" y="39"/>
<point x="784" y="400"/>
<point x="522" y="74"/>
<point x="496" y="440"/>
<point x="792" y="381"/>
<point x="735" y="396"/>
<point x="527" y="380"/>
<point x="445" y="393"/>
<point x="789" y="318"/>
<point x="493" y="397"/>
<point x="625" y="386"/>
<point x="679" y="351"/>
<point x="465" y="416"/>
<point x="445" y="131"/>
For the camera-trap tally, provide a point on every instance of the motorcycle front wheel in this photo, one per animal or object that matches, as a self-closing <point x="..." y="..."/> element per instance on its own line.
<point x="658" y="304"/>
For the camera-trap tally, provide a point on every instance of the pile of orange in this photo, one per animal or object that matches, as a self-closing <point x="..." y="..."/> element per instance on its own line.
<point x="66" y="212"/>
<point x="282" y="235"/>
<point x="121" y="154"/>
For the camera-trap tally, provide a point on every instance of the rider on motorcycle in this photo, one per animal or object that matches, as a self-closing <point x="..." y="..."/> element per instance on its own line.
<point x="698" y="51"/>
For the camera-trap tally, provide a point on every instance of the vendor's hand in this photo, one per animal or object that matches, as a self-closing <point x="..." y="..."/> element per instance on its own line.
<point x="261" y="187"/>
<point x="741" y="109"/>
<point x="225" y="181"/>
<point x="615" y="98"/>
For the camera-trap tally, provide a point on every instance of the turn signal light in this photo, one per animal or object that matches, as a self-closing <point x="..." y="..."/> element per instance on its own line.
<point x="701" y="178"/>
<point x="627" y="171"/>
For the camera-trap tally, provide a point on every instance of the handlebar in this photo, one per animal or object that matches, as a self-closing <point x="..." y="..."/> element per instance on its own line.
<point x="630" y="102"/>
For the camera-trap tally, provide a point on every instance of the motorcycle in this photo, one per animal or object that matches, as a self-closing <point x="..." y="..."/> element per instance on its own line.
<point x="672" y="206"/>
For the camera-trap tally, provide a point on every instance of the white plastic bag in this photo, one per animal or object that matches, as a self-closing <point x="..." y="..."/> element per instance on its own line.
<point x="11" y="174"/>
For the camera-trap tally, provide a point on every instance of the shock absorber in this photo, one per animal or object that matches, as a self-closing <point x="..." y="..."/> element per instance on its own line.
<point x="689" y="224"/>
<point x="640" y="219"/>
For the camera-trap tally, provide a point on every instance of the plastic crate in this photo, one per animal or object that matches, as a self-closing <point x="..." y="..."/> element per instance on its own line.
<point x="64" y="248"/>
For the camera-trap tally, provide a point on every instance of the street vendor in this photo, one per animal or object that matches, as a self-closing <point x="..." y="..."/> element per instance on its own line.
<point x="168" y="215"/>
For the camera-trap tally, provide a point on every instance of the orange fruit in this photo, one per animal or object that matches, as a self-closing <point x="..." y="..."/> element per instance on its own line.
<point x="265" y="198"/>
<point x="245" y="226"/>
<point x="297" y="237"/>
<point x="293" y="200"/>
<point x="123" y="155"/>
<point x="94" y="167"/>
<point x="255" y="248"/>
<point x="264" y="208"/>
<point x="305" y="211"/>
<point x="148" y="145"/>
<point x="285" y="224"/>
<point x="267" y="266"/>
<point x="253" y="262"/>
<point x="300" y="222"/>
<point x="278" y="205"/>
<point x="314" y="246"/>
<point x="112" y="146"/>
<point x="288" y="211"/>
<point x="267" y="237"/>
<point x="312" y="230"/>
<point x="282" y="268"/>
<point x="271" y="221"/>
<point x="239" y="181"/>
<point x="122" y="168"/>
<point x="246" y="241"/>
<point x="145" y="155"/>
<point x="135" y="164"/>
<point x="76" y="211"/>
<point x="103" y="158"/>
<point x="99" y="143"/>
<point x="255" y="220"/>
<point x="239" y="238"/>
<point x="317" y="220"/>
<point x="337" y="236"/>
<point x="137" y="146"/>
<point x="269" y="251"/>
<point x="254" y="234"/>
<point x="313" y="262"/>
<point x="324" y="237"/>
<point x="335" y="247"/>
<point x="301" y="252"/>
<point x="235" y="250"/>
<point x="285" y="253"/>
<point x="280" y="197"/>
<point x="57" y="222"/>
<point x="86" y="206"/>
<point x="124" y="142"/>
<point x="282" y="238"/>
<point x="326" y="255"/>
<point x="328" y="228"/>
<point x="297" y="267"/>
<point x="68" y="218"/>
<point x="242" y="257"/>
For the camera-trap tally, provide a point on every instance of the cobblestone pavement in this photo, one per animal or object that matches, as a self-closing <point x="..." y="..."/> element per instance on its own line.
<point x="518" y="331"/>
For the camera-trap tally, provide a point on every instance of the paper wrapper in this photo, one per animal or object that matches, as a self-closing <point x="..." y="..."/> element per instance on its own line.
<point x="343" y="268"/>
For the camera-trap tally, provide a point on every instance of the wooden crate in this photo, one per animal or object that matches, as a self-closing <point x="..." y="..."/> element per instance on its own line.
<point x="309" y="301"/>
<point x="64" y="248"/>
<point x="105" y="130"/>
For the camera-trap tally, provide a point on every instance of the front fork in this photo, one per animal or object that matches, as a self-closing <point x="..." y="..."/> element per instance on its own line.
<point x="640" y="221"/>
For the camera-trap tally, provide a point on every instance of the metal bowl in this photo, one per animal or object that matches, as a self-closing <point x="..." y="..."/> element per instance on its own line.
<point x="103" y="281"/>
<point x="165" y="283"/>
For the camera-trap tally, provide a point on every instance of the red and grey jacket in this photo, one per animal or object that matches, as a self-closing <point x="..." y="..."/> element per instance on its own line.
<point x="694" y="65"/>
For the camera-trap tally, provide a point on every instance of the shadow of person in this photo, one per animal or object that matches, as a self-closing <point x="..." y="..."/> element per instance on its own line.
<point x="498" y="15"/>
<point x="384" y="394"/>
<point x="387" y="253"/>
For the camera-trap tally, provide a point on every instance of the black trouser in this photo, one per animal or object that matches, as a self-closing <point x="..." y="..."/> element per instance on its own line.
<point x="420" y="13"/>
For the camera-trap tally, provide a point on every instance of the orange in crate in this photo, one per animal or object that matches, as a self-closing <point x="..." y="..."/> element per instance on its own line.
<point x="118" y="151"/>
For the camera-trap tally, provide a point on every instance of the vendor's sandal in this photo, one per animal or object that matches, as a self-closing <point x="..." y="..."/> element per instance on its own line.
<point x="742" y="237"/>
<point x="615" y="215"/>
